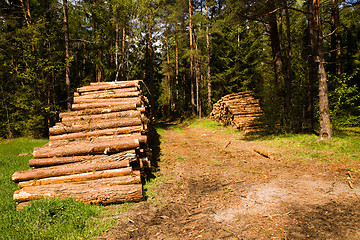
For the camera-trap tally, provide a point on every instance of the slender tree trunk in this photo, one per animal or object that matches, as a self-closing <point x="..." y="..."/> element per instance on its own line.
<point x="324" y="112"/>
<point x="116" y="45"/>
<point x="197" y="80"/>
<point x="67" y="55"/>
<point x="123" y="50"/>
<point x="26" y="11"/>
<point x="168" y="69"/>
<point x="208" y="75"/>
<point x="191" y="60"/>
<point x="276" y="51"/>
<point x="288" y="68"/>
<point x="335" y="37"/>
<point x="176" y="66"/>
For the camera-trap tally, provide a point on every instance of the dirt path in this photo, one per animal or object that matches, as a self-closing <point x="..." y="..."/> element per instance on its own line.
<point x="212" y="185"/>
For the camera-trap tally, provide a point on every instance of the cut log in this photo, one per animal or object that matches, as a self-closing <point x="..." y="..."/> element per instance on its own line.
<point x="104" y="97"/>
<point x="112" y="85"/>
<point x="141" y="109"/>
<point x="104" y="132"/>
<point x="107" y="92"/>
<point x="87" y="148"/>
<point x="81" y="177"/>
<point x="109" y="162"/>
<point x="45" y="162"/>
<point x="117" y="82"/>
<point x="117" y="108"/>
<point x="112" y="115"/>
<point x="107" y="104"/>
<point x="101" y="191"/>
<point x="122" y="122"/>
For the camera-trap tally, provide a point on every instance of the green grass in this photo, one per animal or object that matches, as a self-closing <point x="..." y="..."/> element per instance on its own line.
<point x="343" y="148"/>
<point x="212" y="125"/>
<point x="160" y="130"/>
<point x="45" y="219"/>
<point x="176" y="128"/>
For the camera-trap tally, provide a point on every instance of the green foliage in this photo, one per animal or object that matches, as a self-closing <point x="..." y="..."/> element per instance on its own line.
<point x="46" y="219"/>
<point x="345" y="100"/>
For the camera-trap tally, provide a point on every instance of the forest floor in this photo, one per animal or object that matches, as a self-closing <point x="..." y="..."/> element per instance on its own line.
<point x="211" y="184"/>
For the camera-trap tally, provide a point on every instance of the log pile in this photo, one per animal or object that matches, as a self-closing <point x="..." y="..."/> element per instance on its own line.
<point x="97" y="152"/>
<point x="241" y="110"/>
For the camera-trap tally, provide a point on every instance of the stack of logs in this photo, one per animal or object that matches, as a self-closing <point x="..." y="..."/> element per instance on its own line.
<point x="241" y="110"/>
<point x="97" y="152"/>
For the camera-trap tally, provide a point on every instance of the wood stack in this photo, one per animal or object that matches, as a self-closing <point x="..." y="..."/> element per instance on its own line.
<point x="241" y="110"/>
<point x="97" y="151"/>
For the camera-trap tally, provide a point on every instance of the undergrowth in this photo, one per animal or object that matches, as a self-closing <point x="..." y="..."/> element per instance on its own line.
<point x="45" y="219"/>
<point x="343" y="148"/>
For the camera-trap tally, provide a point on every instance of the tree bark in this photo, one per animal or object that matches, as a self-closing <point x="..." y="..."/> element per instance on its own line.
<point x="288" y="69"/>
<point x="324" y="112"/>
<point x="176" y="66"/>
<point x="208" y="74"/>
<point x="67" y="55"/>
<point x="191" y="60"/>
<point x="116" y="45"/>
<point x="168" y="78"/>
<point x="335" y="37"/>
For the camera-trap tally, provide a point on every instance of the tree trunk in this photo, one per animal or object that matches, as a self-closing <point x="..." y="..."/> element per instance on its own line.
<point x="116" y="45"/>
<point x="197" y="80"/>
<point x="335" y="37"/>
<point x="288" y="69"/>
<point x="191" y="60"/>
<point x="208" y="75"/>
<point x="67" y="55"/>
<point x="324" y="112"/>
<point x="168" y="79"/>
<point x="276" y="51"/>
<point x="123" y="50"/>
<point x="176" y="67"/>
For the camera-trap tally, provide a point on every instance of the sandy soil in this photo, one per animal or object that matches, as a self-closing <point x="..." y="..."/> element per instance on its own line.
<point x="213" y="185"/>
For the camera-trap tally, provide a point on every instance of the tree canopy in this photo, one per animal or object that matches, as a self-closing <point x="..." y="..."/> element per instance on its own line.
<point x="301" y="58"/>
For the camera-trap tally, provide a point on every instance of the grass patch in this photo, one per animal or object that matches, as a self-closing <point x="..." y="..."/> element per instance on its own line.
<point x="211" y="125"/>
<point x="46" y="219"/>
<point x="160" y="130"/>
<point x="176" y="128"/>
<point x="343" y="148"/>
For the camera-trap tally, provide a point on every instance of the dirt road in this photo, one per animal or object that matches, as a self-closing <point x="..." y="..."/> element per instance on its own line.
<point x="213" y="185"/>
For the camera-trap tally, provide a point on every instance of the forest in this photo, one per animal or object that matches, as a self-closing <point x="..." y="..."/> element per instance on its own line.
<point x="300" y="58"/>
